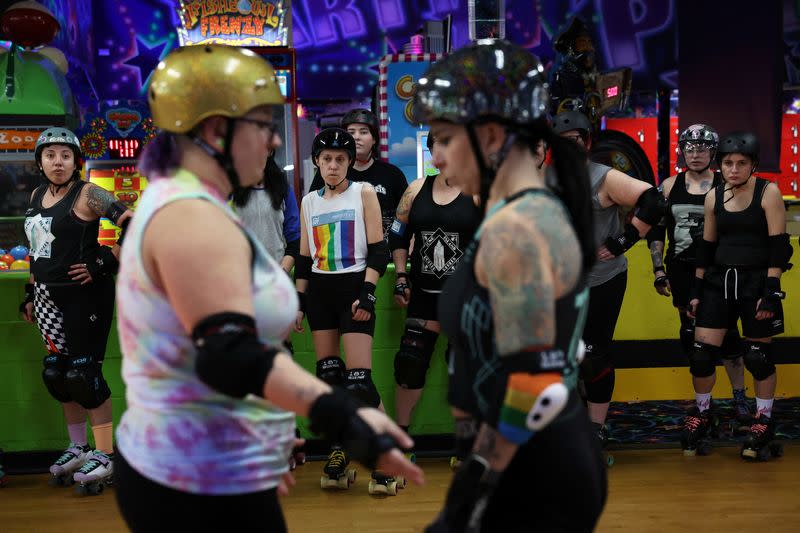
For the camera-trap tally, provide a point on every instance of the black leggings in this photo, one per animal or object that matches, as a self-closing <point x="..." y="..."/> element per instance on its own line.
<point x="555" y="483"/>
<point x="148" y="506"/>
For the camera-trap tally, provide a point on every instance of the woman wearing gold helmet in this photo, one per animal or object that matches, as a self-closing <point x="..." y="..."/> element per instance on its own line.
<point x="203" y="312"/>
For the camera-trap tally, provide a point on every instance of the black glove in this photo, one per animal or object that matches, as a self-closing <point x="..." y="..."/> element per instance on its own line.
<point x="621" y="243"/>
<point x="660" y="281"/>
<point x="467" y="498"/>
<point x="402" y="284"/>
<point x="105" y="264"/>
<point x="334" y="415"/>
<point x="366" y="299"/>
<point x="28" y="298"/>
<point x="771" y="299"/>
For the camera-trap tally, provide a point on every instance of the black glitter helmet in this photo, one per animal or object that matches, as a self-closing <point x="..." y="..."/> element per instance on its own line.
<point x="334" y="139"/>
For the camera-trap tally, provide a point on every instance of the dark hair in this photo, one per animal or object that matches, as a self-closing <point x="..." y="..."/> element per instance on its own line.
<point x="571" y="182"/>
<point x="275" y="185"/>
<point x="161" y="155"/>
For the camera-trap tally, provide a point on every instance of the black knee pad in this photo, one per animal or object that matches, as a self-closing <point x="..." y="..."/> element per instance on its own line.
<point x="758" y="360"/>
<point x="687" y="332"/>
<point x="54" y="377"/>
<point x="598" y="376"/>
<point x="703" y="359"/>
<point x="732" y="345"/>
<point x="85" y="382"/>
<point x="358" y="382"/>
<point x="412" y="360"/>
<point x="331" y="370"/>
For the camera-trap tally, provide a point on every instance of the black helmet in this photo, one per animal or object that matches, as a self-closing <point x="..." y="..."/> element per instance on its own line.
<point x="699" y="134"/>
<point x="362" y="116"/>
<point x="488" y="79"/>
<point x="572" y="120"/>
<point x="740" y="142"/>
<point x="334" y="139"/>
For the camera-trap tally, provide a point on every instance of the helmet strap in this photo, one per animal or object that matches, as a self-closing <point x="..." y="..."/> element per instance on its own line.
<point x="224" y="158"/>
<point x="333" y="187"/>
<point x="487" y="174"/>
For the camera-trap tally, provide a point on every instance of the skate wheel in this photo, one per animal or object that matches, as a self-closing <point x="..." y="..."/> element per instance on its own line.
<point x="748" y="453"/>
<point x="776" y="449"/>
<point x="391" y="488"/>
<point x="300" y="459"/>
<point x="343" y="482"/>
<point x="351" y="475"/>
<point x="401" y="482"/>
<point x="292" y="464"/>
<point x="454" y="462"/>
<point x="97" y="489"/>
<point x="373" y="487"/>
<point x="689" y="452"/>
<point x="323" y="482"/>
<point x="412" y="457"/>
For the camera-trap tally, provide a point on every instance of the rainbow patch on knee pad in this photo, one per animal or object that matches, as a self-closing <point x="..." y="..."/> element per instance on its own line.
<point x="531" y="402"/>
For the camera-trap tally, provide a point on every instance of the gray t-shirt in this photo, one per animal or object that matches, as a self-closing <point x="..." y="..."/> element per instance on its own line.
<point x="607" y="223"/>
<point x="265" y="221"/>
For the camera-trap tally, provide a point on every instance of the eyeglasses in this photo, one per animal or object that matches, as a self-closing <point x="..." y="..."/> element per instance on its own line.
<point x="270" y="128"/>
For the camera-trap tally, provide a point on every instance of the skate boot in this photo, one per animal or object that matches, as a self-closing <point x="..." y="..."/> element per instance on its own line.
<point x="698" y="429"/>
<point x="602" y="436"/>
<point x="387" y="485"/>
<point x="72" y="459"/>
<point x="760" y="444"/>
<point x="96" y="472"/>
<point x="336" y="474"/>
<point x="742" y="417"/>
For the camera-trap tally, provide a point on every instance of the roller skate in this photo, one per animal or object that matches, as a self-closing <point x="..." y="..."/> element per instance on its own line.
<point x="602" y="436"/>
<point x="337" y="475"/>
<point x="455" y="462"/>
<point x="760" y="444"/>
<point x="95" y="474"/>
<point x="383" y="484"/>
<point x="698" y="429"/>
<point x="742" y="417"/>
<point x="71" y="460"/>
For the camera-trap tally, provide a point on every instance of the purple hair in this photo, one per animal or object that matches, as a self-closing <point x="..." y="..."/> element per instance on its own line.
<point x="161" y="155"/>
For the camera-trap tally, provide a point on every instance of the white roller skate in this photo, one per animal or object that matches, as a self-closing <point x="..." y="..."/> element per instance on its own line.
<point x="71" y="460"/>
<point x="94" y="474"/>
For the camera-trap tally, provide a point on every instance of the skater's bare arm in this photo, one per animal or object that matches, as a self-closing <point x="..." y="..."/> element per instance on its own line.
<point x="495" y="448"/>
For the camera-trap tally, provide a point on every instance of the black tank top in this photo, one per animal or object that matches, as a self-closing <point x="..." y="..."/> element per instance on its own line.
<point x="465" y="315"/>
<point x="441" y="234"/>
<point x="685" y="225"/>
<point x="742" y="236"/>
<point x="58" y="238"/>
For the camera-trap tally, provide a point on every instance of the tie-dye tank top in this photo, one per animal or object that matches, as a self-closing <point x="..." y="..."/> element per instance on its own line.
<point x="337" y="237"/>
<point x="176" y="430"/>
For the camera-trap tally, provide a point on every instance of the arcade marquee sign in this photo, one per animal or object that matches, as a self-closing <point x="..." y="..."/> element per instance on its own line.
<point x="233" y="22"/>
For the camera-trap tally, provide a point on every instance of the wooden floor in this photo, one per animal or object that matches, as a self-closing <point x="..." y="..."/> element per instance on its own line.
<point x="649" y="491"/>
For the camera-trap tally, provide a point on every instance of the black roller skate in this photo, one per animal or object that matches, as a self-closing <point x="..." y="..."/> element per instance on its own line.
<point x="602" y="436"/>
<point x="742" y="417"/>
<point x="698" y="430"/>
<point x="760" y="444"/>
<point x="95" y="474"/>
<point x="71" y="460"/>
<point x="383" y="484"/>
<point x="336" y="474"/>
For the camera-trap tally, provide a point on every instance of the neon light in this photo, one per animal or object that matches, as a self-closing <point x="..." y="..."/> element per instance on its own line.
<point x="612" y="91"/>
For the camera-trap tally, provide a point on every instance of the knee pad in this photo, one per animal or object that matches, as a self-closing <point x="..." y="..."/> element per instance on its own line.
<point x="85" y="382"/>
<point x="687" y="332"/>
<point x="412" y="360"/>
<point x="54" y="377"/>
<point x="598" y="377"/>
<point x="732" y="346"/>
<point x="703" y="359"/>
<point x="359" y="383"/>
<point x="758" y="360"/>
<point x="331" y="370"/>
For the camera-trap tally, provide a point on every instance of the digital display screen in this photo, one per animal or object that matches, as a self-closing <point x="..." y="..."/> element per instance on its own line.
<point x="612" y="91"/>
<point x="124" y="148"/>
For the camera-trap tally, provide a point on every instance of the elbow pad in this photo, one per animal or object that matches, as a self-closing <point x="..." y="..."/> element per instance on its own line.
<point x="651" y="206"/>
<point x="398" y="237"/>
<point x="114" y="211"/>
<point x="302" y="267"/>
<point x="706" y="250"/>
<point x="378" y="256"/>
<point x="230" y="358"/>
<point x="780" y="251"/>
<point x="293" y="249"/>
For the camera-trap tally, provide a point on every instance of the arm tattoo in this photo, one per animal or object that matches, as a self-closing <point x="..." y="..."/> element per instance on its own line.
<point x="486" y="443"/>
<point x="657" y="254"/>
<point x="404" y="207"/>
<point x="526" y="270"/>
<point x="98" y="199"/>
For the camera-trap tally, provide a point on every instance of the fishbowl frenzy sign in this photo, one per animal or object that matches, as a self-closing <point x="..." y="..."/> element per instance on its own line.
<point x="233" y="22"/>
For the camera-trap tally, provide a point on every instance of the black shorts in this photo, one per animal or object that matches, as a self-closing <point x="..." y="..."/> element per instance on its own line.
<point x="329" y="303"/>
<point x="75" y="319"/>
<point x="730" y="294"/>
<point x="681" y="278"/>
<point x="605" y="303"/>
<point x="423" y="305"/>
<point x="148" y="506"/>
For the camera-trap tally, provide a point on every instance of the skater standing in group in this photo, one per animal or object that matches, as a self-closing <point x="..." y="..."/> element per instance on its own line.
<point x="744" y="251"/>
<point x="515" y="307"/>
<point x="611" y="191"/>
<point x="342" y="255"/>
<point x="71" y="298"/>
<point x="442" y="221"/>
<point x="211" y="393"/>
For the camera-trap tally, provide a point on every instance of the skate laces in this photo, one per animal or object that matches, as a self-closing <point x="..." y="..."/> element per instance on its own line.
<point x="94" y="462"/>
<point x="758" y="428"/>
<point x="337" y="459"/>
<point x="69" y="454"/>
<point x="692" y="422"/>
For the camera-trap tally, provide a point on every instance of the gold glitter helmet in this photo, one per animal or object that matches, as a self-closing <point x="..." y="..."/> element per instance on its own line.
<point x="196" y="82"/>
